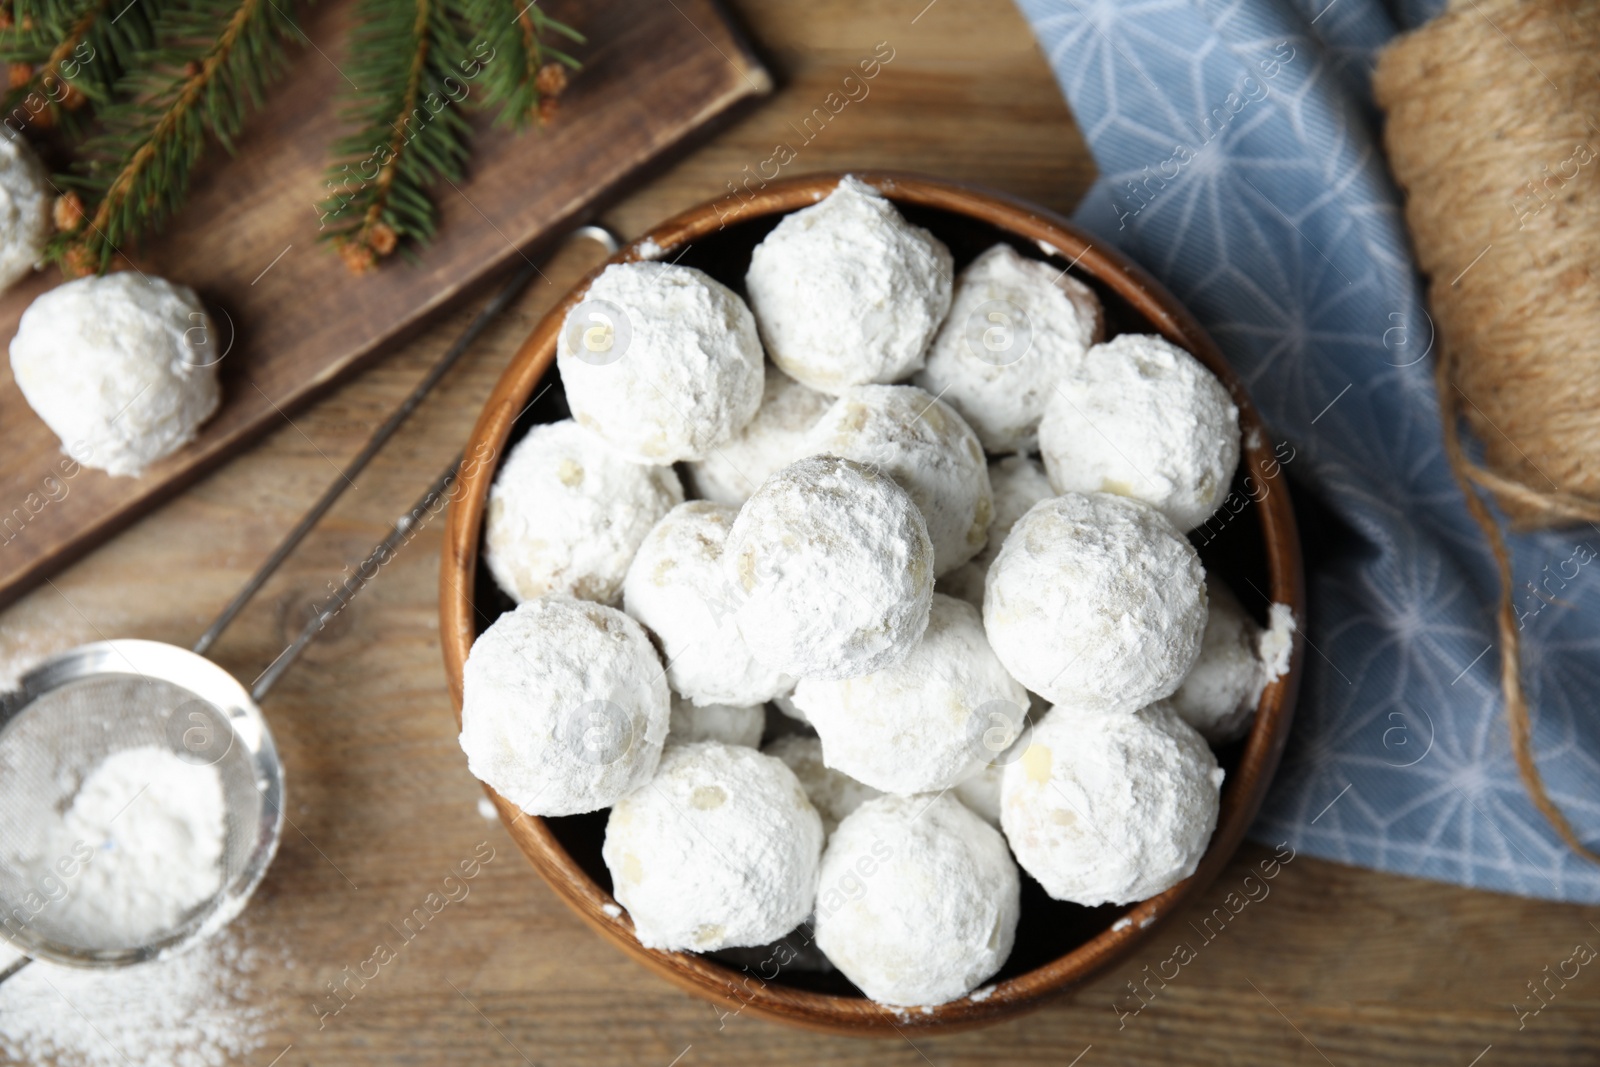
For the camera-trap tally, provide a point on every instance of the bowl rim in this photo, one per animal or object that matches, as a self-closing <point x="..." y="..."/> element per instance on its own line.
<point x="1242" y="794"/>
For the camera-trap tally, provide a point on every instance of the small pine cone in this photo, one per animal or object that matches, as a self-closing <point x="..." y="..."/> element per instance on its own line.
<point x="191" y="69"/>
<point x="27" y="22"/>
<point x="381" y="238"/>
<point x="68" y="212"/>
<point x="44" y="118"/>
<point x="551" y="80"/>
<point x="71" y="98"/>
<point x="19" y="74"/>
<point x="358" y="258"/>
<point x="78" y="262"/>
<point x="5" y="18"/>
<point x="548" y="106"/>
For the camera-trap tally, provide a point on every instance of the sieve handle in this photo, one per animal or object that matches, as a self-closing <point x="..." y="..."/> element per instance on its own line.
<point x="380" y="555"/>
<point x="498" y="303"/>
<point x="16" y="966"/>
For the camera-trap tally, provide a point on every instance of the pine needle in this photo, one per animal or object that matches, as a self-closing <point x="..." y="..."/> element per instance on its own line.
<point x="208" y="69"/>
<point x="418" y="72"/>
<point x="410" y="60"/>
<point x="73" y="51"/>
<point x="525" y="70"/>
<point x="166" y="77"/>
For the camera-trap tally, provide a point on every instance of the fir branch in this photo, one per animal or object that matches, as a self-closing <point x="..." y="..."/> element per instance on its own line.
<point x="69" y="52"/>
<point x="417" y="70"/>
<point x="410" y="59"/>
<point x="30" y="28"/>
<point x="208" y="68"/>
<point x="525" y="71"/>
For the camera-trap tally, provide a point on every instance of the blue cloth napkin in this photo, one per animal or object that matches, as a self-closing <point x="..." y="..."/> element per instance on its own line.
<point x="1241" y="164"/>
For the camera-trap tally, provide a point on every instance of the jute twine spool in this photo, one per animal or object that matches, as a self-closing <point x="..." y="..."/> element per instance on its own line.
<point x="1494" y="134"/>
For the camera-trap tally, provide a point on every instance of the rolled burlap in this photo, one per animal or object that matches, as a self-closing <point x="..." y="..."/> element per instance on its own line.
<point x="1493" y="132"/>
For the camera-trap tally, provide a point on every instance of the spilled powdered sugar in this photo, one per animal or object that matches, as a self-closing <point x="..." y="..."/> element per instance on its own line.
<point x="28" y="638"/>
<point x="143" y="841"/>
<point x="197" y="1009"/>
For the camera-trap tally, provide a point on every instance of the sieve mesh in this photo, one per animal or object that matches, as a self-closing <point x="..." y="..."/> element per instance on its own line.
<point x="76" y="714"/>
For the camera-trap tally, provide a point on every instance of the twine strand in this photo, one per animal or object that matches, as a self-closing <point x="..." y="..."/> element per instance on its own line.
<point x="1492" y="133"/>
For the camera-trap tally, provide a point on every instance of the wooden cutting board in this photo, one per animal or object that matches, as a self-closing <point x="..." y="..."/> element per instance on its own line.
<point x="655" y="75"/>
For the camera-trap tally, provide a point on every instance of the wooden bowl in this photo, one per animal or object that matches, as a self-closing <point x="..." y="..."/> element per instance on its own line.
<point x="1252" y="543"/>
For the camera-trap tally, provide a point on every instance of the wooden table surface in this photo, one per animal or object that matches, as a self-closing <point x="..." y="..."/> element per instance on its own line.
<point x="1338" y="965"/>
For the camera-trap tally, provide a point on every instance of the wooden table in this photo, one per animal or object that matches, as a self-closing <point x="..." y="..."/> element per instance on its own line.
<point x="1338" y="965"/>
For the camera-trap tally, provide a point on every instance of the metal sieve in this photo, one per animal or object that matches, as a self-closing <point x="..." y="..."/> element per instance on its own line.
<point x="85" y="705"/>
<point x="72" y="712"/>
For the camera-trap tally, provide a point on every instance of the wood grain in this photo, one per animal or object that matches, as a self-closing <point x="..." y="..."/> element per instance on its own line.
<point x="289" y="316"/>
<point x="1367" y="968"/>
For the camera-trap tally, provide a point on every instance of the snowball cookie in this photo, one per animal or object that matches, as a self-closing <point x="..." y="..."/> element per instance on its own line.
<point x="693" y="722"/>
<point x="566" y="514"/>
<point x="721" y="850"/>
<point x="1018" y="483"/>
<point x="25" y="199"/>
<point x="981" y="792"/>
<point x="833" y="793"/>
<point x="847" y="291"/>
<point x="1110" y="808"/>
<point x="834" y="569"/>
<point x="918" y="900"/>
<point x="924" y="446"/>
<point x="775" y="438"/>
<point x="676" y="587"/>
<point x="118" y="367"/>
<point x="1096" y="601"/>
<point x="1221" y="690"/>
<point x="662" y="361"/>
<point x="1016" y="327"/>
<point x="564" y="706"/>
<point x="1143" y="418"/>
<point x="921" y="724"/>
